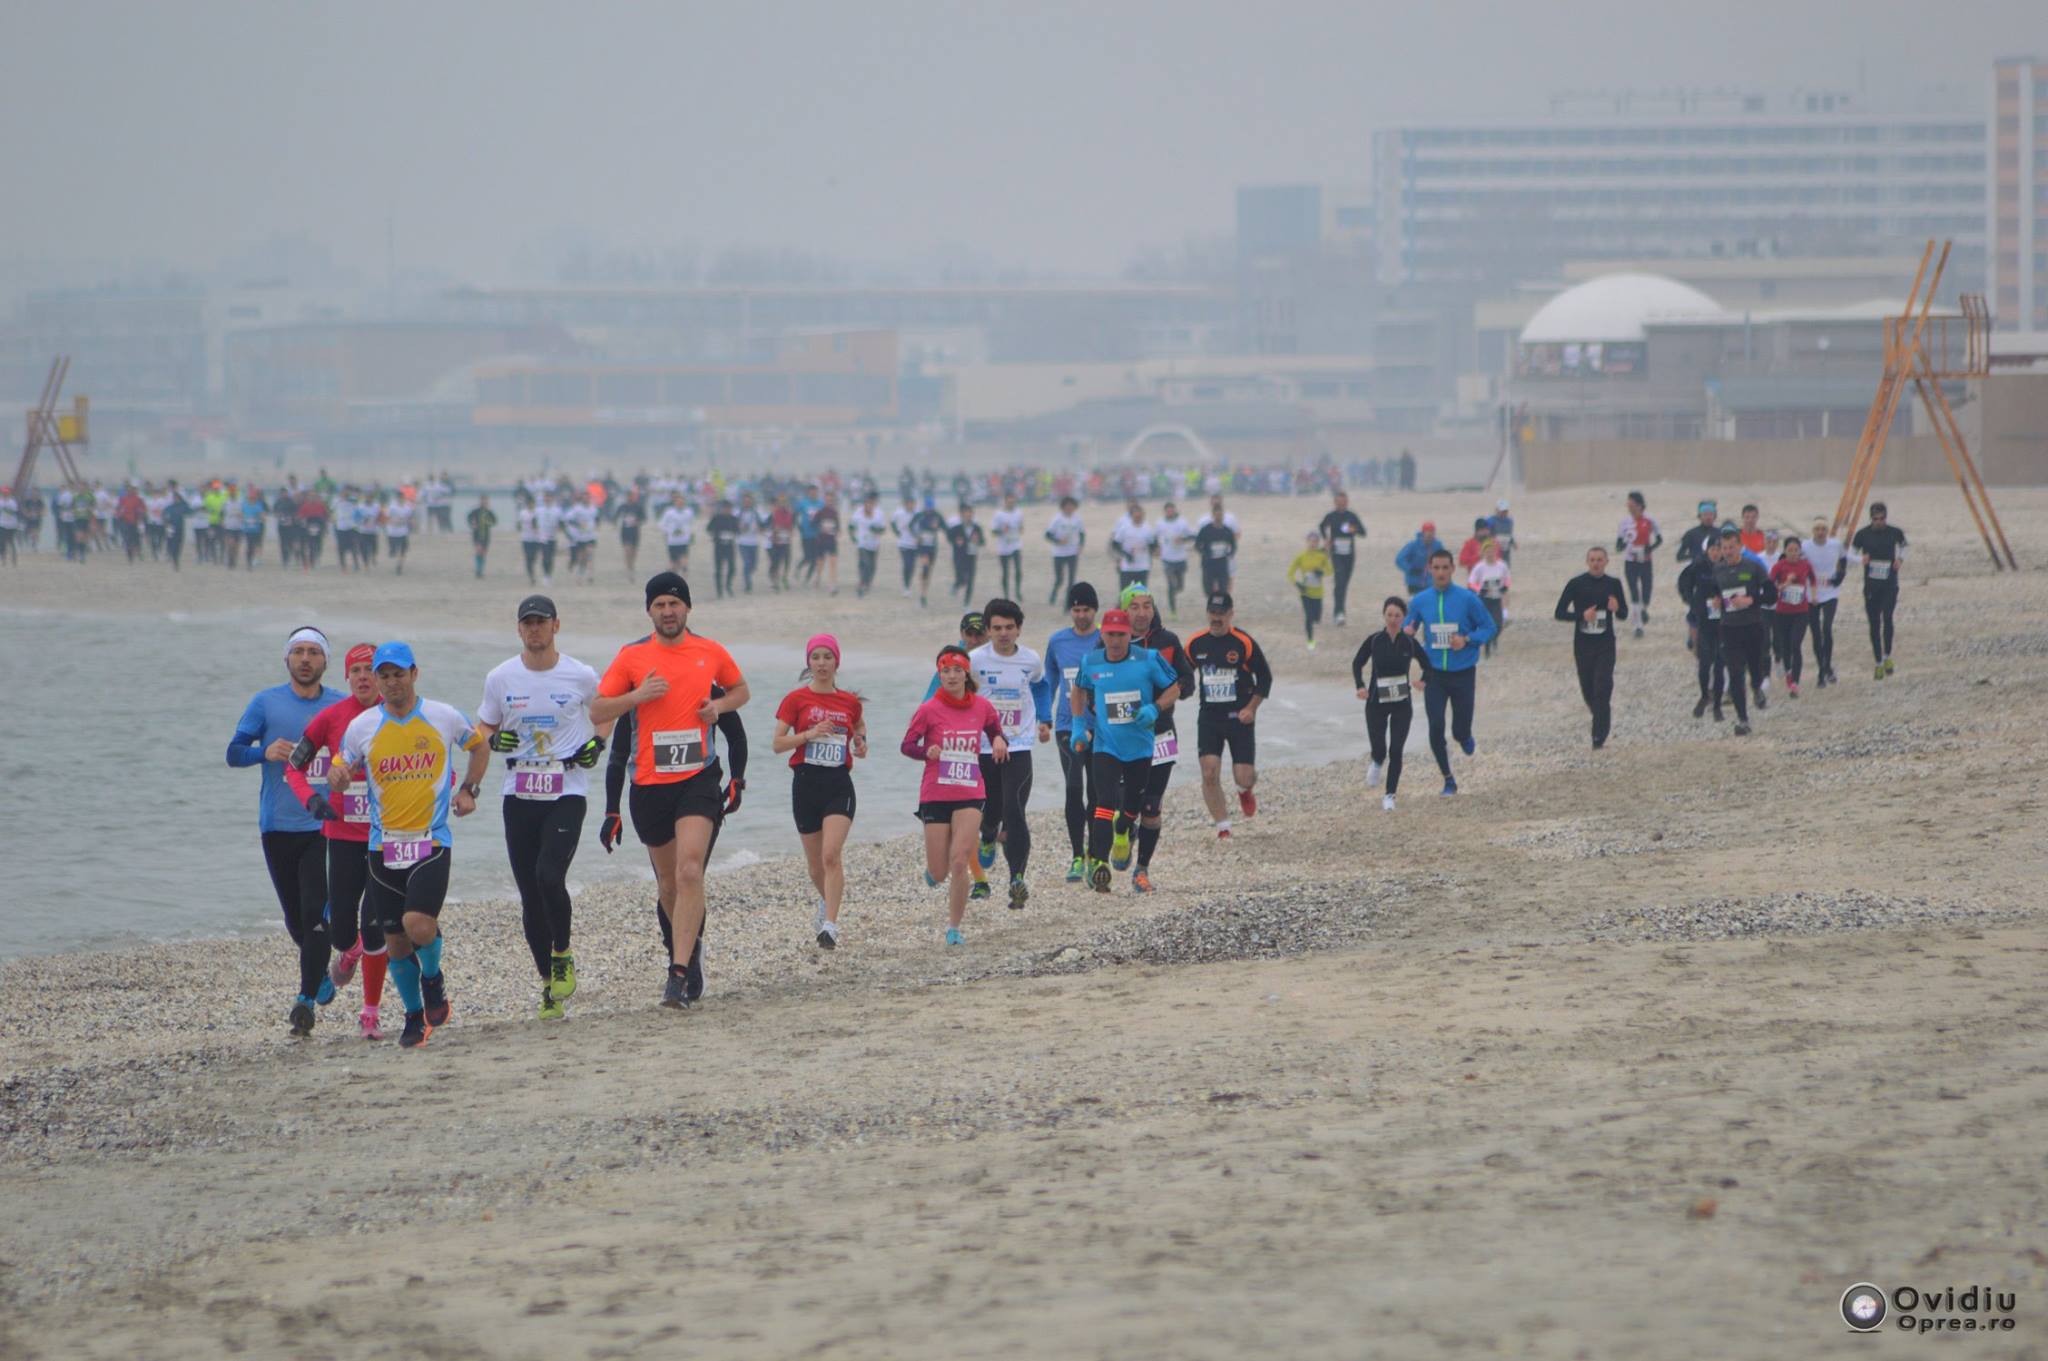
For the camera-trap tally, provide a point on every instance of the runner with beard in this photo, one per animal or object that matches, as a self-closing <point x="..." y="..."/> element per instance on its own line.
<point x="1147" y="632"/>
<point x="1703" y="619"/>
<point x="1063" y="654"/>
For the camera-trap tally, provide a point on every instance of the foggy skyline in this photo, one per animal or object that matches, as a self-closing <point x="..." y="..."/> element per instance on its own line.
<point x="1059" y="138"/>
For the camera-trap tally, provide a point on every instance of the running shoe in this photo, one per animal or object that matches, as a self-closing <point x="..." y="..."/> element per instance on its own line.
<point x="1763" y="701"/>
<point x="1223" y="834"/>
<point x="1387" y="802"/>
<point x="1247" y="803"/>
<point x="985" y="853"/>
<point x="1141" y="882"/>
<point x="1019" y="891"/>
<point x="1879" y="673"/>
<point x="1339" y="620"/>
<point x="1639" y="630"/>
<point x="1741" y="728"/>
<point x="980" y="889"/>
<point x="435" y="990"/>
<point x="828" y="935"/>
<point x="953" y="936"/>
<point x="1719" y="717"/>
<point x="1373" y="771"/>
<point x="1098" y="877"/>
<point x="693" y="972"/>
<point x="1077" y="869"/>
<point x="1699" y="710"/>
<point x="302" y="1017"/>
<point x="550" y="1005"/>
<point x="367" y="1019"/>
<point x="1467" y="745"/>
<point x="1120" y="852"/>
<point x="1450" y="788"/>
<point x="1888" y="666"/>
<point x="675" y="993"/>
<point x="562" y="975"/>
<point x="930" y="882"/>
<point x="1311" y="645"/>
<point x="1792" y="688"/>
<point x="416" y="1030"/>
<point x="342" y="968"/>
<point x="326" y="992"/>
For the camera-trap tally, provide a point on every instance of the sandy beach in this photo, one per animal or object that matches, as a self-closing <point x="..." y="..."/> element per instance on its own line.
<point x="1640" y="1053"/>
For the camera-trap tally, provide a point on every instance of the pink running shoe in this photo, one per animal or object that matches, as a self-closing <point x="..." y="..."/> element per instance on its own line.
<point x="368" y="1019"/>
<point x="342" y="968"/>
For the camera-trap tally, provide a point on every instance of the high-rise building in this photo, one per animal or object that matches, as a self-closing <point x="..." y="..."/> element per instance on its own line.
<point x="1490" y="205"/>
<point x="2017" y="211"/>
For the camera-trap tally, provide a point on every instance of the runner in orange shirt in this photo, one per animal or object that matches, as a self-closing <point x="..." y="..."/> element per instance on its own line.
<point x="676" y="800"/>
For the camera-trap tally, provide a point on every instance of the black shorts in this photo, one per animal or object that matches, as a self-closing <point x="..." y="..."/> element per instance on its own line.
<point x="1217" y="728"/>
<point x="941" y="813"/>
<point x="828" y="547"/>
<point x="391" y="894"/>
<point x="820" y="792"/>
<point x="629" y="535"/>
<point x="656" y="808"/>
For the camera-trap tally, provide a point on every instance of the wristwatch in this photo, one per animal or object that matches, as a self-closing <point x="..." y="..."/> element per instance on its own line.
<point x="473" y="789"/>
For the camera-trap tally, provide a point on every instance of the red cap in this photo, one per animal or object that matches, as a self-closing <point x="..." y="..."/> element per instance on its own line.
<point x="1429" y="526"/>
<point x="361" y="652"/>
<point x="1115" y="621"/>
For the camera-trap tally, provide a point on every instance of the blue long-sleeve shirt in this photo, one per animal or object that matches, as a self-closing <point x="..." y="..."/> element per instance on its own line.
<point x="274" y="713"/>
<point x="1063" y="654"/>
<point x="1413" y="561"/>
<point x="1439" y="612"/>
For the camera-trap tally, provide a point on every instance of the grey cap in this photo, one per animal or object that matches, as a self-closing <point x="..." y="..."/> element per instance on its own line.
<point x="537" y="606"/>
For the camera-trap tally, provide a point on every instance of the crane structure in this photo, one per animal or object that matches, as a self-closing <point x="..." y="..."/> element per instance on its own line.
<point x="61" y="434"/>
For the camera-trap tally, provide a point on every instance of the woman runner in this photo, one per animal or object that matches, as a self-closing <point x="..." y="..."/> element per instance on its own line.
<point x="1380" y="670"/>
<point x="945" y="733"/>
<point x="822" y="729"/>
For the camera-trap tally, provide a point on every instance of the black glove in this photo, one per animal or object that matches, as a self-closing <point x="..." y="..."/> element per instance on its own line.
<point x="504" y="739"/>
<point x="587" y="754"/>
<point x="609" y="831"/>
<point x="732" y="796"/>
<point x="319" y="807"/>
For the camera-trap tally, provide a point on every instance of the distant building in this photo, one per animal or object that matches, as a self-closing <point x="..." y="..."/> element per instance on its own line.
<point x="2017" y="212"/>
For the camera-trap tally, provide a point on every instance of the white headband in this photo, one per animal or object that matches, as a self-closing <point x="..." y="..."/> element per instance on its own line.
<point x="308" y="634"/>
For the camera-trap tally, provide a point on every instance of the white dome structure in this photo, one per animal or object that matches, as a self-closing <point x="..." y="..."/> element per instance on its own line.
<point x="1614" y="308"/>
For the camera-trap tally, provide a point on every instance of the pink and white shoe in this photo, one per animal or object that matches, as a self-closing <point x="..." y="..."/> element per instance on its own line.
<point x="342" y="968"/>
<point x="368" y="1020"/>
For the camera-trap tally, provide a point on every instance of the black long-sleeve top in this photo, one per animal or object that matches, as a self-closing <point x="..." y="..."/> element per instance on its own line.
<point x="1602" y="593"/>
<point x="1384" y="655"/>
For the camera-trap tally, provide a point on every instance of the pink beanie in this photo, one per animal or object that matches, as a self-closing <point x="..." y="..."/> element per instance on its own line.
<point x="826" y="641"/>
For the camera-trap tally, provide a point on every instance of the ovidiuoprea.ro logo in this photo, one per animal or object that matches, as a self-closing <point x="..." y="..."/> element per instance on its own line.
<point x="1868" y="1308"/>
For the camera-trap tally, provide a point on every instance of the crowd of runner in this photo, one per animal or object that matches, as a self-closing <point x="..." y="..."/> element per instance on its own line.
<point x="361" y="790"/>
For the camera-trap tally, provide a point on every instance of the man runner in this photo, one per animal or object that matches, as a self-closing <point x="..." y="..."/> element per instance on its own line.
<point x="1118" y="695"/>
<point x="1703" y="618"/>
<point x="1064" y="652"/>
<point x="1882" y="546"/>
<point x="1744" y="588"/>
<point x="1636" y="539"/>
<point x="1007" y="528"/>
<point x="1454" y="623"/>
<point x="1590" y="604"/>
<point x="1013" y="680"/>
<point x="404" y="750"/>
<point x="536" y="712"/>
<point x="1147" y="632"/>
<point x="1235" y="680"/>
<point x="293" y="848"/>
<point x="666" y="678"/>
<point x="1066" y="534"/>
<point x="1342" y="531"/>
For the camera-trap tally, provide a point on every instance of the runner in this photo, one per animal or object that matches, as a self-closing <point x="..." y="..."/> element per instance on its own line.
<point x="1013" y="680"/>
<point x="823" y="729"/>
<point x="901" y="520"/>
<point x="293" y="848"/>
<point x="1703" y="619"/>
<point x="724" y="528"/>
<point x="529" y="537"/>
<point x="1133" y="543"/>
<point x="1380" y="671"/>
<point x="1744" y="587"/>
<point x="678" y="526"/>
<point x="676" y="803"/>
<point x="1413" y="560"/>
<point x="397" y="533"/>
<point x="866" y="524"/>
<point x="1310" y="568"/>
<point x="1882" y="548"/>
<point x="1118" y="695"/>
<point x="1216" y="540"/>
<point x="967" y="539"/>
<point x="781" y="541"/>
<point x="579" y="527"/>
<point x="1591" y="602"/>
<point x="1176" y="541"/>
<point x="1636" y="539"/>
<point x="825" y="542"/>
<point x="1064" y="651"/>
<point x="1752" y="537"/>
<point x="1694" y="543"/>
<point x="1503" y="525"/>
<point x="536" y="712"/>
<point x="946" y="734"/>
<point x="1007" y="527"/>
<point x="928" y="526"/>
<point x="354" y="935"/>
<point x="1454" y="624"/>
<point x="404" y="751"/>
<point x="1490" y="578"/>
<point x="482" y="520"/>
<point x="752" y="526"/>
<point x="1235" y="681"/>
<point x="1066" y="534"/>
<point x="1794" y="579"/>
<point x="1343" y="531"/>
<point x="10" y="526"/>
<point x="1829" y="566"/>
<point x="1147" y="632"/>
<point x="547" y="523"/>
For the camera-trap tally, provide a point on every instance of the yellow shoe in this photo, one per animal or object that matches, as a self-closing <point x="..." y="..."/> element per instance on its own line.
<point x="550" y="1005"/>
<point x="562" y="981"/>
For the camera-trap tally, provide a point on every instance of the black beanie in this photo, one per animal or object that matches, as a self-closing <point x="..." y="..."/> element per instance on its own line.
<point x="667" y="583"/>
<point x="1081" y="593"/>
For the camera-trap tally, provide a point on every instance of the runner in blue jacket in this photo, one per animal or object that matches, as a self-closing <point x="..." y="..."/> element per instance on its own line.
<point x="1451" y="623"/>
<point x="1413" y="559"/>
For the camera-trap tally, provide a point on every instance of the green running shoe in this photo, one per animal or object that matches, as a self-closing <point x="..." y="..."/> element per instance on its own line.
<point x="1120" y="852"/>
<point x="562" y="975"/>
<point x="1077" y="870"/>
<point x="986" y="854"/>
<point x="550" y="1005"/>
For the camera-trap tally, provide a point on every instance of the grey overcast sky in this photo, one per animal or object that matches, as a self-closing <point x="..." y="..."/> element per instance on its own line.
<point x="1057" y="135"/>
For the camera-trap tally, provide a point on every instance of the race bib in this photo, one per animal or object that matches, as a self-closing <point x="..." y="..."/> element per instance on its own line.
<point x="1714" y="608"/>
<point x="1878" y="571"/>
<point x="1392" y="689"/>
<point x="960" y="761"/>
<point x="1492" y="590"/>
<point x="316" y="769"/>
<point x="927" y="540"/>
<point x="1219" y="550"/>
<point x="825" y="751"/>
<point x="1165" y="747"/>
<point x="1008" y="702"/>
<point x="1218" y="687"/>
<point x="354" y="807"/>
<point x="1311" y="580"/>
<point x="405" y="852"/>
<point x="1793" y="595"/>
<point x="1070" y="672"/>
<point x="679" y="752"/>
<point x="1122" y="705"/>
<point x="1440" y="635"/>
<point x="1597" y="624"/>
<point x="537" y="780"/>
<point x="1341" y="547"/>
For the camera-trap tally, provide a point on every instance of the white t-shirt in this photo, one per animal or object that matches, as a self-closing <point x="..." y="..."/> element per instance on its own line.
<point x="546" y="521"/>
<point x="398" y="520"/>
<point x="1174" y="537"/>
<point x="529" y="531"/>
<point x="580" y="522"/>
<point x="1007" y="528"/>
<point x="1006" y="684"/>
<point x="1066" y="534"/>
<point x="678" y="526"/>
<point x="899" y="520"/>
<point x="10" y="513"/>
<point x="550" y="710"/>
<point x="750" y="528"/>
<point x="1489" y="579"/>
<point x="1825" y="557"/>
<point x="1135" y="544"/>
<point x="867" y="526"/>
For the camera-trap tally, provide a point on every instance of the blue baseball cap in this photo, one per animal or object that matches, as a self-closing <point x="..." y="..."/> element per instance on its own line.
<point x="393" y="654"/>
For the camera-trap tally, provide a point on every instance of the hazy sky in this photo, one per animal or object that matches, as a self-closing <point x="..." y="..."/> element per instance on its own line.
<point x="1054" y="134"/>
